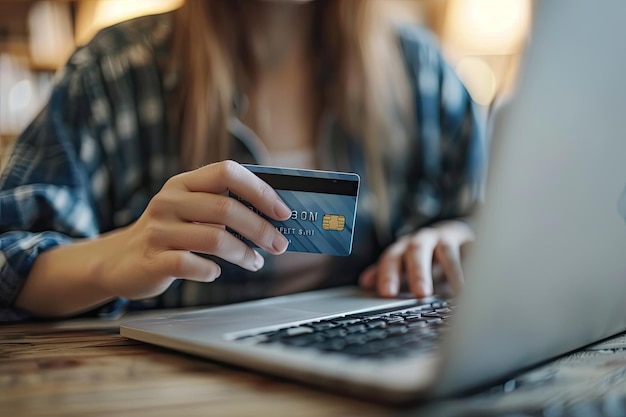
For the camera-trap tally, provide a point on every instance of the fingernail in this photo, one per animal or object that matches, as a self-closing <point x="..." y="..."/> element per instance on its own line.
<point x="427" y="290"/>
<point x="392" y="288"/>
<point x="280" y="243"/>
<point x="216" y="274"/>
<point x="281" y="211"/>
<point x="258" y="261"/>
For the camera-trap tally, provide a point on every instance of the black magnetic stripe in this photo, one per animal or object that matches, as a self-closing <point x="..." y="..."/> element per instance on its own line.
<point x="310" y="184"/>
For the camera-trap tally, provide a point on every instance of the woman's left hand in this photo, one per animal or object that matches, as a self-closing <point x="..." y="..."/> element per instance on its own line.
<point x="411" y="258"/>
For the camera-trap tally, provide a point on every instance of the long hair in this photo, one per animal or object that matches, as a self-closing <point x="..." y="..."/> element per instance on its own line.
<point x="367" y="86"/>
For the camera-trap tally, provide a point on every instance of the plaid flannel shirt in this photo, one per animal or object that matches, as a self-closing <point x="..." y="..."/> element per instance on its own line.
<point x="103" y="146"/>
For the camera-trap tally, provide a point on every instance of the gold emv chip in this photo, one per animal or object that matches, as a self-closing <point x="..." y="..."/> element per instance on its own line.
<point x="334" y="222"/>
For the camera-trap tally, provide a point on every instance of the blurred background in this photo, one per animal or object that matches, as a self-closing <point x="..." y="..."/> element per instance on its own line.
<point x="483" y="39"/>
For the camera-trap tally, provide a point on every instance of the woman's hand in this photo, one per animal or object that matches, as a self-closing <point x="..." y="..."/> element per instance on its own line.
<point x="411" y="259"/>
<point x="190" y="213"/>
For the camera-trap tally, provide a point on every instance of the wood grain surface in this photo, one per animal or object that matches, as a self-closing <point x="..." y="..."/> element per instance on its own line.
<point x="54" y="370"/>
<point x="85" y="368"/>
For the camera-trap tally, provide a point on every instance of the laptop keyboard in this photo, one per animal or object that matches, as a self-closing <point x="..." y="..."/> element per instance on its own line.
<point x="389" y="333"/>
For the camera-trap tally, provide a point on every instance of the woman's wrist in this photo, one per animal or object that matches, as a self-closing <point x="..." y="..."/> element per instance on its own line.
<point x="106" y="254"/>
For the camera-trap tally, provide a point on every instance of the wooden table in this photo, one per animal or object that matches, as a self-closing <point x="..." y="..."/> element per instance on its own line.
<point x="84" y="368"/>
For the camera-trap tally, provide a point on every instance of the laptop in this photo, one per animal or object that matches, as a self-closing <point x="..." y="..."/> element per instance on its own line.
<point x="547" y="274"/>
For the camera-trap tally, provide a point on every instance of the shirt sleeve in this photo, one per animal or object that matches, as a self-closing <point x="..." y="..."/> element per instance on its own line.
<point x="446" y="177"/>
<point x="46" y="195"/>
<point x="90" y="162"/>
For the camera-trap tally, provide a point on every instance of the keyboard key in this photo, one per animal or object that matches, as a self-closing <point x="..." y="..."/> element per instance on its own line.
<point x="373" y="324"/>
<point x="294" y="331"/>
<point x="346" y="320"/>
<point x="321" y="326"/>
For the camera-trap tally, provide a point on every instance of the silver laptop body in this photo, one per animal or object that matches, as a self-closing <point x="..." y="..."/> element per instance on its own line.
<point x="547" y="274"/>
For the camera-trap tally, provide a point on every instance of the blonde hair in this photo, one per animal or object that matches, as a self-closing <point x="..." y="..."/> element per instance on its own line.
<point x="368" y="88"/>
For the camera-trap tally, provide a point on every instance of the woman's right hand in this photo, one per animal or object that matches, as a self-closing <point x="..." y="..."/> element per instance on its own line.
<point x="191" y="213"/>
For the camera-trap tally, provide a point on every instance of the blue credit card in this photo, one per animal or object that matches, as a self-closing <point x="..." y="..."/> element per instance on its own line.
<point x="323" y="205"/>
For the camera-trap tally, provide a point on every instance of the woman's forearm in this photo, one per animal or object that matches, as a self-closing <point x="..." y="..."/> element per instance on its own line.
<point x="69" y="279"/>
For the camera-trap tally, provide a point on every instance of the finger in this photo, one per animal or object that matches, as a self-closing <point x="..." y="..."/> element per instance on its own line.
<point x="215" y="241"/>
<point x="466" y="249"/>
<point x="186" y="265"/>
<point x="219" y="209"/>
<point x="226" y="176"/>
<point x="462" y="231"/>
<point x="418" y="260"/>
<point x="448" y="254"/>
<point x="389" y="270"/>
<point x="367" y="279"/>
